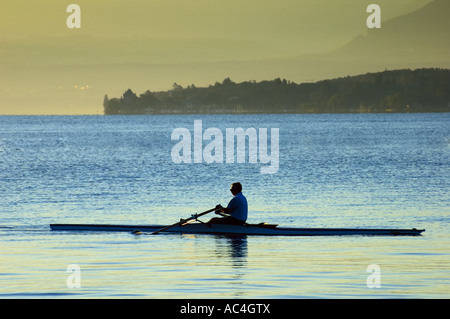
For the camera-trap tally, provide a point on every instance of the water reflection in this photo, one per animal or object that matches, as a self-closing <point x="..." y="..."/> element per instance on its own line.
<point x="238" y="250"/>
<point x="233" y="248"/>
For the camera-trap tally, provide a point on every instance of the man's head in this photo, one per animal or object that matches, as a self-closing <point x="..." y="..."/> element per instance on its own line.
<point x="236" y="188"/>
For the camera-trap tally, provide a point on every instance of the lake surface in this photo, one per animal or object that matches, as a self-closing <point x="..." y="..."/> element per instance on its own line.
<point x="360" y="170"/>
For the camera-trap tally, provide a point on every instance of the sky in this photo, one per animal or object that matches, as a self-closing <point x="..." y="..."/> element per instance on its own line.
<point x="306" y="25"/>
<point x="47" y="68"/>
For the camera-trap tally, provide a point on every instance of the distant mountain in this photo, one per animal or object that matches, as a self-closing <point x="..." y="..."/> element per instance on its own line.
<point x="88" y="50"/>
<point x="421" y="36"/>
<point x="419" y="39"/>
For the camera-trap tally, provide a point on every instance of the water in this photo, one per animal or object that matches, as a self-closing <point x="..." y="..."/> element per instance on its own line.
<point x="384" y="170"/>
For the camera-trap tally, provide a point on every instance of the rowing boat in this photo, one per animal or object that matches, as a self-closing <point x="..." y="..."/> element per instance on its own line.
<point x="247" y="229"/>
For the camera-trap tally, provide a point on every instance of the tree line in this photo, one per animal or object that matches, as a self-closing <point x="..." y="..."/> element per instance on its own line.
<point x="396" y="91"/>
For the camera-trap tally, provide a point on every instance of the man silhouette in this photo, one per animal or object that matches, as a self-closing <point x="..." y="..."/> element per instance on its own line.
<point x="236" y="211"/>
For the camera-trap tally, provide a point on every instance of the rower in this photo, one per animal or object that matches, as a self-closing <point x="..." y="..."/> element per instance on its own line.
<point x="236" y="211"/>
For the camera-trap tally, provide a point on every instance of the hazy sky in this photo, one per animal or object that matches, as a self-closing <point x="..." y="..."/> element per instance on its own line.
<point x="45" y="67"/>
<point x="304" y="25"/>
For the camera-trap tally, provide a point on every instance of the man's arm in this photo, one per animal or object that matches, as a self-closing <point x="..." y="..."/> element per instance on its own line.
<point x="225" y="210"/>
<point x="231" y="206"/>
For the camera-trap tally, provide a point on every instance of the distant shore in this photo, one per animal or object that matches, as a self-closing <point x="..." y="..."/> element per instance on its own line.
<point x="394" y="91"/>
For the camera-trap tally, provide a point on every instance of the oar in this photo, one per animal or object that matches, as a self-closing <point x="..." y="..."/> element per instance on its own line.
<point x="183" y="221"/>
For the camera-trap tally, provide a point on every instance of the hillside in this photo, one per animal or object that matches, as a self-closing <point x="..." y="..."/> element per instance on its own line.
<point x="420" y="36"/>
<point x="415" y="40"/>
<point x="422" y="90"/>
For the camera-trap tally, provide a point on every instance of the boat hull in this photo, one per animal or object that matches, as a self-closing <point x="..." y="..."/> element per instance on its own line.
<point x="249" y="229"/>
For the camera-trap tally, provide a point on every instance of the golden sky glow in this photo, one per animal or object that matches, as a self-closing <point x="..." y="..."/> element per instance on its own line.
<point x="145" y="44"/>
<point x="258" y="20"/>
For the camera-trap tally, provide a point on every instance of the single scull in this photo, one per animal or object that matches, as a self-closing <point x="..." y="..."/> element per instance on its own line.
<point x="247" y="229"/>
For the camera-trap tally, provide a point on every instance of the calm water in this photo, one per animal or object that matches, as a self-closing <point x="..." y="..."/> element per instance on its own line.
<point x="334" y="171"/>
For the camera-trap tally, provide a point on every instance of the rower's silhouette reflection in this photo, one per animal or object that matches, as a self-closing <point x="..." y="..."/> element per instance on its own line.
<point x="238" y="248"/>
<point x="232" y="251"/>
<point x="233" y="248"/>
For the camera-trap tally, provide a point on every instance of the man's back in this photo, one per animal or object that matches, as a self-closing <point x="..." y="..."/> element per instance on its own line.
<point x="238" y="206"/>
